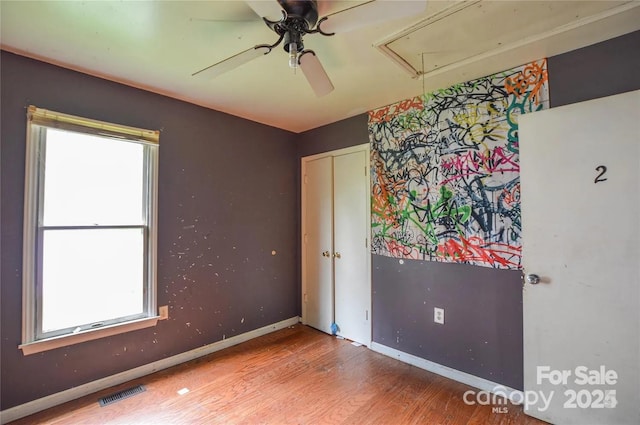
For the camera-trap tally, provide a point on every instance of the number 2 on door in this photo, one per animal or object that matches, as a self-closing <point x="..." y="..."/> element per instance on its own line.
<point x="599" y="177"/>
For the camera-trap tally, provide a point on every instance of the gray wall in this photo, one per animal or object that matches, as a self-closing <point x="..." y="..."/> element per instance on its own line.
<point x="603" y="69"/>
<point x="232" y="179"/>
<point x="483" y="306"/>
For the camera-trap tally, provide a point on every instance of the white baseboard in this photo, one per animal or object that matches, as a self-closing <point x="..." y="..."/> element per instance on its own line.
<point x="515" y="396"/>
<point x="73" y="393"/>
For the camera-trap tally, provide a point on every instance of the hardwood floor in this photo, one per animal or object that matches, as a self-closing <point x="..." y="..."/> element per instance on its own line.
<point x="293" y="376"/>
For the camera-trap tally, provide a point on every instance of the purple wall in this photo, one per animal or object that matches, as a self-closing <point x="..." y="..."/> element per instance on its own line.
<point x="233" y="180"/>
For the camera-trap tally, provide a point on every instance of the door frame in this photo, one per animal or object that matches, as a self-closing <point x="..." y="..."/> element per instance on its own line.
<point x="367" y="176"/>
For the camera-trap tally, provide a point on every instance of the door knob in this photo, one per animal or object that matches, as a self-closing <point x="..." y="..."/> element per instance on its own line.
<point x="337" y="255"/>
<point x="533" y="279"/>
<point x="326" y="254"/>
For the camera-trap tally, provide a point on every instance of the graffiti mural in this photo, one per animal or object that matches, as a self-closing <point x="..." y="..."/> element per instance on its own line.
<point x="445" y="170"/>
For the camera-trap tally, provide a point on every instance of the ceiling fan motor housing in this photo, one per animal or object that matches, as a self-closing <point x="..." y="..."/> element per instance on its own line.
<point x="305" y="9"/>
<point x="302" y="15"/>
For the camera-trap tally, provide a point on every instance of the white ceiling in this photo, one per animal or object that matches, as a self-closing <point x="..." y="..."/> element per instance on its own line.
<point x="157" y="45"/>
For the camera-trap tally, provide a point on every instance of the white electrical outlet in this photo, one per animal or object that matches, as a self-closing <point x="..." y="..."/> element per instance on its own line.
<point x="438" y="315"/>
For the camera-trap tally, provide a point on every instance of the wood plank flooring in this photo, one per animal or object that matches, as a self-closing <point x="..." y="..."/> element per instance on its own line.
<point x="293" y="376"/>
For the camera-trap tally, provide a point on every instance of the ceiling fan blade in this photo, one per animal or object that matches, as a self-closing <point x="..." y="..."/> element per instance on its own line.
<point x="269" y="9"/>
<point x="315" y="73"/>
<point x="233" y="62"/>
<point x="371" y="13"/>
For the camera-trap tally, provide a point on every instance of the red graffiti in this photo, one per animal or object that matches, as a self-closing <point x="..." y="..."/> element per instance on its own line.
<point x="390" y="111"/>
<point x="511" y="197"/>
<point x="482" y="163"/>
<point x="476" y="249"/>
<point x="398" y="250"/>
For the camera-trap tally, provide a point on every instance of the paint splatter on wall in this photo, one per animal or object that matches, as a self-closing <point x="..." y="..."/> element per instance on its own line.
<point x="445" y="170"/>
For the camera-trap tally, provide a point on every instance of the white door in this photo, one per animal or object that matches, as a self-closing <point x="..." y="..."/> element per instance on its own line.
<point x="317" y="305"/>
<point x="336" y="275"/>
<point x="351" y="251"/>
<point x="580" y="176"/>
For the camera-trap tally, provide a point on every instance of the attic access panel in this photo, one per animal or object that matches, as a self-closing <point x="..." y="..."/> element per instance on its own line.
<point x="464" y="30"/>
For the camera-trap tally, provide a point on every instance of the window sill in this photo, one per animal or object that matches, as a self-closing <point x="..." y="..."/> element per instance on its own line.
<point x="88" y="335"/>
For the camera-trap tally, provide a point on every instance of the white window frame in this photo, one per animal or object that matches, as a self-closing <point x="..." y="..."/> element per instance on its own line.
<point x="37" y="120"/>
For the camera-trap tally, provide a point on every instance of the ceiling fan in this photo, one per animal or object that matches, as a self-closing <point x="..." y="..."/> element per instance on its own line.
<point x="299" y="18"/>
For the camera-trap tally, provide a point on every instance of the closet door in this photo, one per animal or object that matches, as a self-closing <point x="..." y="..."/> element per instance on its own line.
<point x="336" y="275"/>
<point x="351" y="251"/>
<point x="317" y="306"/>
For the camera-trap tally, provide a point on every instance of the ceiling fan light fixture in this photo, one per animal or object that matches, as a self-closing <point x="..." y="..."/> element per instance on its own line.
<point x="293" y="45"/>
<point x="293" y="55"/>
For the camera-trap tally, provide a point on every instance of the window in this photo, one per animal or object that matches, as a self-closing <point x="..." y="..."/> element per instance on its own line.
<point x="89" y="230"/>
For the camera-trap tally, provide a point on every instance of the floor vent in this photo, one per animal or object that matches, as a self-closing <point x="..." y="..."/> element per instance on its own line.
<point x="121" y="395"/>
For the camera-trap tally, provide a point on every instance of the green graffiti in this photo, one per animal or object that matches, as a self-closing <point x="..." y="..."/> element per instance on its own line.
<point x="444" y="212"/>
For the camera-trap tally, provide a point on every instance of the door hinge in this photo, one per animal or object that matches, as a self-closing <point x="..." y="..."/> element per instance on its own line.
<point x="305" y="238"/>
<point x="366" y="242"/>
<point x="305" y="179"/>
<point x="366" y="315"/>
